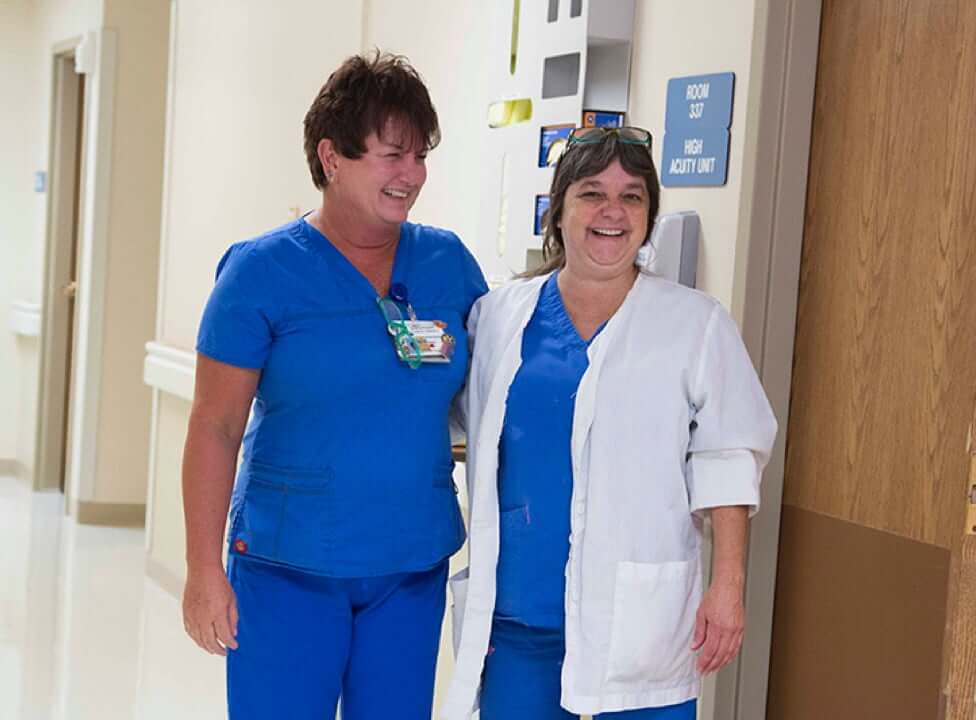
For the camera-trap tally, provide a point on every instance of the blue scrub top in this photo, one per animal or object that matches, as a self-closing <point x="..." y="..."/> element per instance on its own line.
<point x="535" y="476"/>
<point x="347" y="464"/>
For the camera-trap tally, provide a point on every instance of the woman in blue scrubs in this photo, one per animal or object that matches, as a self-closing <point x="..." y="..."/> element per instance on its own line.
<point x="343" y="333"/>
<point x="609" y="412"/>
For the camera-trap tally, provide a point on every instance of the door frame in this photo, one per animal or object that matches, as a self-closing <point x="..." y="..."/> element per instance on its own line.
<point x="766" y="281"/>
<point x="95" y="56"/>
<point x="63" y="220"/>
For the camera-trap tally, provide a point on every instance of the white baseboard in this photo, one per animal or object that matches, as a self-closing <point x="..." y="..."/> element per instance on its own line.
<point x="111" y="514"/>
<point x="12" y="467"/>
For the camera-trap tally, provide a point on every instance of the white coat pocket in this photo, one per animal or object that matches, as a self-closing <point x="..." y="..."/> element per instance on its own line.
<point x="654" y="610"/>
<point x="459" y="594"/>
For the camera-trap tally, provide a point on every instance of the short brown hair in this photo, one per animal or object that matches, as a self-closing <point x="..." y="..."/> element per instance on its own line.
<point x="360" y="97"/>
<point x="583" y="160"/>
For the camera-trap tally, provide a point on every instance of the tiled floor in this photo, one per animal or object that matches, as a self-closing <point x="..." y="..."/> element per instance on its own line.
<point x="83" y="633"/>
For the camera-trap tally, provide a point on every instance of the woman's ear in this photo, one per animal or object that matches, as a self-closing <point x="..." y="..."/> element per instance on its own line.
<point x="328" y="156"/>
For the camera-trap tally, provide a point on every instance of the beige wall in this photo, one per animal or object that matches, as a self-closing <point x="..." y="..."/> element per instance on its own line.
<point x="241" y="82"/>
<point x="57" y="21"/>
<point x="443" y="40"/>
<point x="166" y="544"/>
<point x="692" y="37"/>
<point x="28" y="33"/>
<point x="31" y="32"/>
<point x="138" y="128"/>
<point x="16" y="203"/>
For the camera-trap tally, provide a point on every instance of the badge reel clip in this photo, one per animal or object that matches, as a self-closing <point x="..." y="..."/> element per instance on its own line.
<point x="415" y="341"/>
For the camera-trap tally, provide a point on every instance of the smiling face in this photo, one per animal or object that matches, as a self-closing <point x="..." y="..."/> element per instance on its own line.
<point x="381" y="186"/>
<point x="604" y="223"/>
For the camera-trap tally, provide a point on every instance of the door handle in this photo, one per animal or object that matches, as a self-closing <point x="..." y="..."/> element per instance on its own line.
<point x="70" y="289"/>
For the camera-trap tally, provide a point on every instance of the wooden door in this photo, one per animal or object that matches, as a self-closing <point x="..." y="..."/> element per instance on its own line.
<point x="61" y="273"/>
<point x="884" y="378"/>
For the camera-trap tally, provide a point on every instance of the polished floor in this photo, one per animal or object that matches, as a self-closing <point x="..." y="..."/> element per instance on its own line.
<point x="84" y="634"/>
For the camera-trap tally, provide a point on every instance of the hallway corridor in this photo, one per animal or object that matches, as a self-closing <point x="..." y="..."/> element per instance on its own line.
<point x="83" y="633"/>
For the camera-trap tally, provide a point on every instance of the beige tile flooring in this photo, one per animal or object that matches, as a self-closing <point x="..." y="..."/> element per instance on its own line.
<point x="83" y="632"/>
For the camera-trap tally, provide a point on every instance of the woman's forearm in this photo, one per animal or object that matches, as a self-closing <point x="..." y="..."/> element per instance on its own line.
<point x="209" y="462"/>
<point x="729" y="543"/>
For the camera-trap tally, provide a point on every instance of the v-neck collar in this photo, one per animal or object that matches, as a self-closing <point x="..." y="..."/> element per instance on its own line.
<point x="551" y="299"/>
<point x="321" y="244"/>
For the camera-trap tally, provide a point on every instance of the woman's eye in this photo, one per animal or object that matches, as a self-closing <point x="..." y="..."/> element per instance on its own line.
<point x="633" y="198"/>
<point x="592" y="195"/>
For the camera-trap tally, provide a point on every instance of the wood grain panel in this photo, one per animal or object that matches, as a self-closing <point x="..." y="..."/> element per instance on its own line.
<point x="885" y="369"/>
<point x="959" y="656"/>
<point x="858" y="624"/>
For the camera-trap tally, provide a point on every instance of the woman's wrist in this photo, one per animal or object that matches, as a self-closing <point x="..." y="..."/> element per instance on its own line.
<point x="732" y="577"/>
<point x="206" y="564"/>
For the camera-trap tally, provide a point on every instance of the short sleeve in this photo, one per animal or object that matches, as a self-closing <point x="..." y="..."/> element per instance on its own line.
<point x="235" y="329"/>
<point x="733" y="427"/>
<point x="474" y="285"/>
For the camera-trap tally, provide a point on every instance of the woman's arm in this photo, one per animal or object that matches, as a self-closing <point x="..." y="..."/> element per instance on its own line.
<point x="221" y="403"/>
<point x="720" y="622"/>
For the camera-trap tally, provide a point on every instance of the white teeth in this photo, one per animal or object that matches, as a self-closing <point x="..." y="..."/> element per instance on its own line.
<point x="395" y="193"/>
<point x="609" y="233"/>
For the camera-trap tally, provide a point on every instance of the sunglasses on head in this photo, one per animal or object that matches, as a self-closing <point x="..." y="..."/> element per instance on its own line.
<point x="626" y="135"/>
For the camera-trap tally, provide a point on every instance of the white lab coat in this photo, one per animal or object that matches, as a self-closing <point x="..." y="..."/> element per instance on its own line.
<point x="670" y="419"/>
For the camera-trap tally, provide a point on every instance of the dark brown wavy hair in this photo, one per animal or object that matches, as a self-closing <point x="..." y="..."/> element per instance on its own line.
<point x="360" y="97"/>
<point x="583" y="160"/>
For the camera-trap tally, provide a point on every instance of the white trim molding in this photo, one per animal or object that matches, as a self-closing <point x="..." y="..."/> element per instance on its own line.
<point x="93" y="261"/>
<point x="25" y="318"/>
<point x="765" y="296"/>
<point x="169" y="370"/>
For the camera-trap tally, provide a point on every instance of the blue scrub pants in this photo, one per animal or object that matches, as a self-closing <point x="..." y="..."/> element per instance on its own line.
<point x="522" y="679"/>
<point x="305" y="640"/>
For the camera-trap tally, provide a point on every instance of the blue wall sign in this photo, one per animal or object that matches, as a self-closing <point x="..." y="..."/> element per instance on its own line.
<point x="697" y="121"/>
<point x="700" y="101"/>
<point x="695" y="159"/>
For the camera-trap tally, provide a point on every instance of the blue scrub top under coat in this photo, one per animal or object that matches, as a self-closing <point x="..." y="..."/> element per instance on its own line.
<point x="346" y="466"/>
<point x="535" y="476"/>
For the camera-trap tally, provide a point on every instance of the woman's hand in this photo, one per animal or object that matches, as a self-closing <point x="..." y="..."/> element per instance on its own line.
<point x="210" y="610"/>
<point x="721" y="618"/>
<point x="719" y="625"/>
<point x="221" y="400"/>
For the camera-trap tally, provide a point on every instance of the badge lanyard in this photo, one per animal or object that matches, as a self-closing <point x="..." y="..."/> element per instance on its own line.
<point x="415" y="341"/>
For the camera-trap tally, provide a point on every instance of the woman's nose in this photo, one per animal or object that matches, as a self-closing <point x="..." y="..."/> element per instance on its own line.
<point x="612" y="208"/>
<point x="413" y="169"/>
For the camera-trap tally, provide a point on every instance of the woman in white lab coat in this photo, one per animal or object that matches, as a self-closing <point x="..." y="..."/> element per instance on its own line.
<point x="609" y="412"/>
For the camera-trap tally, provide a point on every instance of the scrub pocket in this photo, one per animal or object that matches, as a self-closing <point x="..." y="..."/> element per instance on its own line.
<point x="285" y="515"/>
<point x="459" y="596"/>
<point x="654" y="609"/>
<point x="510" y="574"/>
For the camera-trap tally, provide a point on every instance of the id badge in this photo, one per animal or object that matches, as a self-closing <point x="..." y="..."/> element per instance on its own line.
<point x="435" y="343"/>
